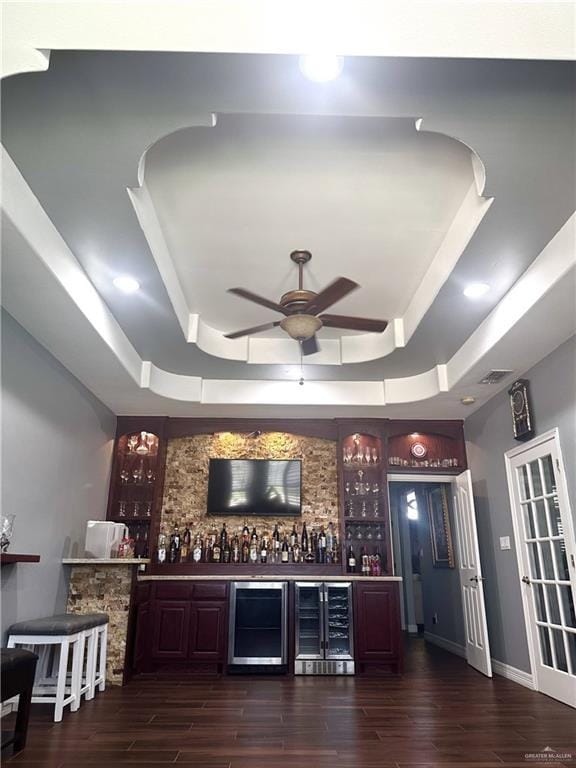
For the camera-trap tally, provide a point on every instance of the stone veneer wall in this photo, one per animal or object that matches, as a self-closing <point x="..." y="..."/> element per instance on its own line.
<point x="105" y="589"/>
<point x="186" y="479"/>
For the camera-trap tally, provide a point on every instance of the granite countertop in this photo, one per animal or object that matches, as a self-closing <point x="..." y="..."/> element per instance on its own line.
<point x="267" y="577"/>
<point x="105" y="561"/>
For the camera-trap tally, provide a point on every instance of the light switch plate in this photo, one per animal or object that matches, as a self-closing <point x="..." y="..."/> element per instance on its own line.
<point x="504" y="542"/>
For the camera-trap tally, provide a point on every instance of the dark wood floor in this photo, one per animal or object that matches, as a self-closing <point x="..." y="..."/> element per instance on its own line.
<point x="439" y="713"/>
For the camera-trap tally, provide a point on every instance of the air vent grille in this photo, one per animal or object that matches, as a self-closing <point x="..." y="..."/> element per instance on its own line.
<point x="495" y="376"/>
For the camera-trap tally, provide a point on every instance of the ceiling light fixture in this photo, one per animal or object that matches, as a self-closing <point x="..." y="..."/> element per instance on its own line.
<point x="321" y="67"/>
<point x="301" y="327"/>
<point x="126" y="284"/>
<point x="476" y="290"/>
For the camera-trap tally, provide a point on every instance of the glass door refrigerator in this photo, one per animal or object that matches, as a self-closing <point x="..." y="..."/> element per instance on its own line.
<point x="324" y="629"/>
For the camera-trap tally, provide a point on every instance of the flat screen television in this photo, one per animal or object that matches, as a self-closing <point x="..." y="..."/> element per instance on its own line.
<point x="254" y="487"/>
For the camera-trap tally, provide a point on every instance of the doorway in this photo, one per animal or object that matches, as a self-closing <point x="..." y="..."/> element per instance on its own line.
<point x="546" y="551"/>
<point x="437" y="554"/>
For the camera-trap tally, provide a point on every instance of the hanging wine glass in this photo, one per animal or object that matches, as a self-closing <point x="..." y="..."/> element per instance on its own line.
<point x="369" y="533"/>
<point x="376" y="509"/>
<point x="122" y="509"/>
<point x="136" y="510"/>
<point x="363" y="509"/>
<point x="375" y="488"/>
<point x="132" y="443"/>
<point x="150" y="477"/>
<point x="374" y="456"/>
<point x="367" y="455"/>
<point x="357" y="487"/>
<point x="142" y="446"/>
<point x="150" y="441"/>
<point x="378" y="533"/>
<point x="347" y="487"/>
<point x="124" y="476"/>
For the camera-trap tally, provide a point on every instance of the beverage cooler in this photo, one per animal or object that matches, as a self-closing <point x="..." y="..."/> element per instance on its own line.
<point x="324" y="629"/>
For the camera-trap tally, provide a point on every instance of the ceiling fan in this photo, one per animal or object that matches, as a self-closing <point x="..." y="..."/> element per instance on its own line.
<point x="302" y="307"/>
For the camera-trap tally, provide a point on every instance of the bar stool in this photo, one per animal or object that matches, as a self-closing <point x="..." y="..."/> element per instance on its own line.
<point x="17" y="680"/>
<point x="66" y="633"/>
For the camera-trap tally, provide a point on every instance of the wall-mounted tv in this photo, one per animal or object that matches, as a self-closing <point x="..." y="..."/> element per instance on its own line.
<point x="254" y="487"/>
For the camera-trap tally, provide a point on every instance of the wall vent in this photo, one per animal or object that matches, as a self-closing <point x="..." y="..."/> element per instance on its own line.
<point x="495" y="376"/>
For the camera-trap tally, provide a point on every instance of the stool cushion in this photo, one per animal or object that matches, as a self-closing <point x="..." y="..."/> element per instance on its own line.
<point x="64" y="624"/>
<point x="16" y="666"/>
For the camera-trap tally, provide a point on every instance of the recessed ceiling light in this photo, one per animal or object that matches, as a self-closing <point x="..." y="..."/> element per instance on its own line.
<point x="126" y="284"/>
<point x="468" y="400"/>
<point x="475" y="290"/>
<point x="321" y="67"/>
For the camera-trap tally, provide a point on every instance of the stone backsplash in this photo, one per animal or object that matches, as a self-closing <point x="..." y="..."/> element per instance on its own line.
<point x="105" y="589"/>
<point x="186" y="479"/>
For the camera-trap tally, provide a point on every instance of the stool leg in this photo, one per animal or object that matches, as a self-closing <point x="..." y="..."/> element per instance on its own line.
<point x="61" y="684"/>
<point x="77" y="665"/>
<point x="23" y="715"/>
<point x="102" y="657"/>
<point x="91" y="663"/>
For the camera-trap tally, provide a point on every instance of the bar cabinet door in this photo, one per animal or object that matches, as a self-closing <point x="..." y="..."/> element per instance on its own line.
<point x="171" y="627"/>
<point x="339" y="632"/>
<point x="207" y="631"/>
<point x="309" y="620"/>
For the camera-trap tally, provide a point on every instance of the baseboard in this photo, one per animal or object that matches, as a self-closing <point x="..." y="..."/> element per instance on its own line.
<point x="412" y="629"/>
<point x="9" y="706"/>
<point x="514" y="674"/>
<point x="447" y="645"/>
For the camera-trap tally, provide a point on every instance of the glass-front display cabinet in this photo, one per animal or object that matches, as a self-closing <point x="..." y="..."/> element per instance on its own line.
<point x="366" y="544"/>
<point x="134" y="487"/>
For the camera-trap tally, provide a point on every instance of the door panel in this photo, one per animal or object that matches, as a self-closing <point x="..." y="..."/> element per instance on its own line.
<point x="171" y="627"/>
<point x="207" y="631"/>
<point x="470" y="571"/>
<point x="377" y="618"/>
<point x="546" y="551"/>
<point x="338" y="633"/>
<point x="309" y="621"/>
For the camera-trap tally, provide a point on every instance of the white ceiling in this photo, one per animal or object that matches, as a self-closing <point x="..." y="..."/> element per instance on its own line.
<point x="371" y="199"/>
<point x="101" y="137"/>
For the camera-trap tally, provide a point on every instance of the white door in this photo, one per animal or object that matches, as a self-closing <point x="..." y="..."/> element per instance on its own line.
<point x="545" y="545"/>
<point x="471" y="587"/>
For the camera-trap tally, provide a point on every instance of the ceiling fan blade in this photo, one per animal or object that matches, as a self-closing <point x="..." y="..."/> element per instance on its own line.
<point x="258" y="300"/>
<point x="330" y="295"/>
<point x="250" y="331"/>
<point x="353" y="323"/>
<point x="310" y="346"/>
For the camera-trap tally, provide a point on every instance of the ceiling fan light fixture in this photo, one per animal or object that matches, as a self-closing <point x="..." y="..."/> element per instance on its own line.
<point x="301" y="327"/>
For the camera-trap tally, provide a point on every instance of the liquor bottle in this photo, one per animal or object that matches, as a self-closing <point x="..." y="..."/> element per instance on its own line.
<point x="254" y="536"/>
<point x="254" y="550"/>
<point x="197" y="551"/>
<point x="314" y="547"/>
<point x="276" y="544"/>
<point x="304" y="540"/>
<point x="174" y="549"/>
<point x="322" y="545"/>
<point x="296" y="553"/>
<point x="185" y="548"/>
<point x="245" y="551"/>
<point x="216" y="550"/>
<point x="365" y="560"/>
<point x="223" y="537"/>
<point x="285" y="554"/>
<point x="351" y="565"/>
<point x="293" y="536"/>
<point x="235" y="550"/>
<point x="376" y="569"/>
<point x="246" y="533"/>
<point x="264" y="551"/>
<point x="330" y="538"/>
<point x="226" y="554"/>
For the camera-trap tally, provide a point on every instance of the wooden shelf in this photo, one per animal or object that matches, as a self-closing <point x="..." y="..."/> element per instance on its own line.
<point x="7" y="558"/>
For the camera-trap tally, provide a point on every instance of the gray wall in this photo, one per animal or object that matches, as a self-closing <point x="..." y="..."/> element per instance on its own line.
<point x="440" y="586"/>
<point x="488" y="435"/>
<point x="56" y="455"/>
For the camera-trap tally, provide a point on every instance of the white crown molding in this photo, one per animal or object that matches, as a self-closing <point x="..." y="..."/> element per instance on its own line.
<point x="48" y="292"/>
<point x="485" y="29"/>
<point x="347" y="349"/>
